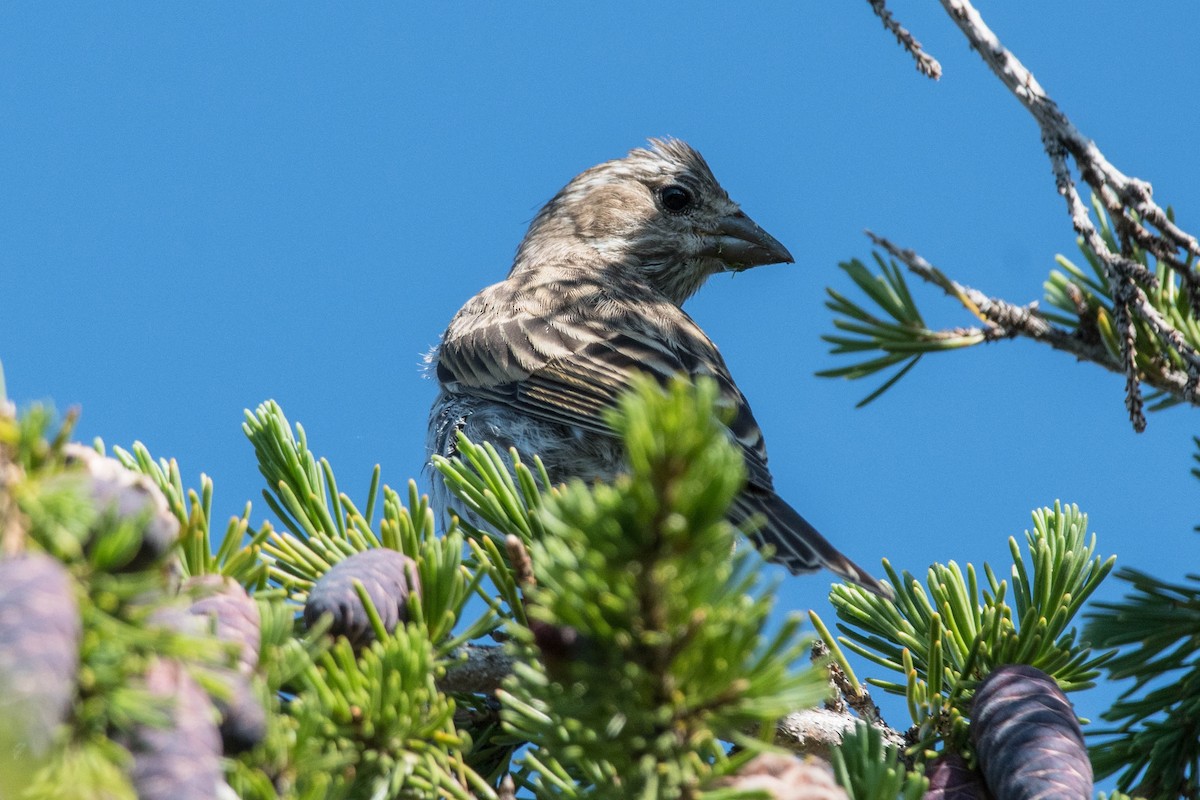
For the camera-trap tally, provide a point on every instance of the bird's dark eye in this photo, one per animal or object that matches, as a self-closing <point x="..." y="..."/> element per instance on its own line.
<point x="675" y="198"/>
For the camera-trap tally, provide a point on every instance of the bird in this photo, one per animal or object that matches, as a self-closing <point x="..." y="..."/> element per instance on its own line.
<point x="594" y="298"/>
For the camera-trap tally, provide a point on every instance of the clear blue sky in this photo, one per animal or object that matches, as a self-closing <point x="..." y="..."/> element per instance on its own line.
<point x="205" y="206"/>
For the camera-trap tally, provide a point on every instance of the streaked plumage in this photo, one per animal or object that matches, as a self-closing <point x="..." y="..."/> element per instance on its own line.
<point x="593" y="298"/>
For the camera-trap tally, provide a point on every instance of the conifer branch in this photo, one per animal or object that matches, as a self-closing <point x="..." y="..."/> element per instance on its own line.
<point x="1141" y="318"/>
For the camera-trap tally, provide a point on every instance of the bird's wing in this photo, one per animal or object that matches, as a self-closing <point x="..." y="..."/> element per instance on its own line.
<point x="569" y="370"/>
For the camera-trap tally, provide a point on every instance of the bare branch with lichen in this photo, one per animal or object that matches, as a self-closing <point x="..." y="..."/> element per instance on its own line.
<point x="1128" y="200"/>
<point x="927" y="65"/>
<point x="1140" y="319"/>
<point x="1006" y="320"/>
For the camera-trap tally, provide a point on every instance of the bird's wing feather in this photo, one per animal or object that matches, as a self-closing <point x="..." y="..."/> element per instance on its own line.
<point x="569" y="371"/>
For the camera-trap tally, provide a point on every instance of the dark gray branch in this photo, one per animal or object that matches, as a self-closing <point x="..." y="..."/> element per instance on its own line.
<point x="479" y="670"/>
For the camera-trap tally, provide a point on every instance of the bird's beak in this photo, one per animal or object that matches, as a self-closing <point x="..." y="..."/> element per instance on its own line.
<point x="741" y="244"/>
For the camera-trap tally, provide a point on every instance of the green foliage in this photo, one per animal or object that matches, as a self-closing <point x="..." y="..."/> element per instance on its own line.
<point x="1153" y="742"/>
<point x="370" y="714"/>
<point x="900" y="335"/>
<point x="869" y="332"/>
<point x="869" y="769"/>
<point x="326" y="527"/>
<point x="1154" y="734"/>
<point x="1153" y="745"/>
<point x="503" y="492"/>
<point x="340" y="723"/>
<point x="646" y="646"/>
<point x="643" y="648"/>
<point x="45" y="506"/>
<point x="382" y="728"/>
<point x="507" y="495"/>
<point x="236" y="554"/>
<point x="642" y="644"/>
<point x="946" y="637"/>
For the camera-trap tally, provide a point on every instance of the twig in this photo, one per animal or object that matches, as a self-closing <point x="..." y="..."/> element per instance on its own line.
<point x="927" y="65"/>
<point x="858" y="699"/>
<point x="522" y="565"/>
<point x="1008" y="320"/>
<point x="1123" y="321"/>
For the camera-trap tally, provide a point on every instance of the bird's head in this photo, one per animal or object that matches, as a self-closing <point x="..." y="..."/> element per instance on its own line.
<point x="659" y="211"/>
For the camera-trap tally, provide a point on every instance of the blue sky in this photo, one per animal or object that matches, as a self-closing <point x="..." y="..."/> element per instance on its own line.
<point x="206" y="206"/>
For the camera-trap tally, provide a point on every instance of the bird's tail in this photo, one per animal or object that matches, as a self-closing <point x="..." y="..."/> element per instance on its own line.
<point x="797" y="544"/>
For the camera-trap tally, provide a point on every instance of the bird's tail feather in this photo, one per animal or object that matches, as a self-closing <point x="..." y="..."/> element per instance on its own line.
<point x="797" y="544"/>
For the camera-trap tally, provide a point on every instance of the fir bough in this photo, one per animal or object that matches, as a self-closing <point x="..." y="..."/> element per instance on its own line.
<point x="647" y="647"/>
<point x="1152" y="743"/>
<point x="945" y="637"/>
<point x="885" y="330"/>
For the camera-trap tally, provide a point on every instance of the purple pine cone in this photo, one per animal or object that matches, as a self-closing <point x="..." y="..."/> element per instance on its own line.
<point x="225" y="610"/>
<point x="124" y="493"/>
<point x="39" y="645"/>
<point x="951" y="779"/>
<point x="182" y="760"/>
<point x="387" y="576"/>
<point x="233" y="613"/>
<point x="1027" y="738"/>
